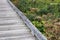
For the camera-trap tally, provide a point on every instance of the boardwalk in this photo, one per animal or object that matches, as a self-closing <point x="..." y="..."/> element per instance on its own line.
<point x="12" y="27"/>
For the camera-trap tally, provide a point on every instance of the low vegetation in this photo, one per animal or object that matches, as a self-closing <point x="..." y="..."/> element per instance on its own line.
<point x="45" y="15"/>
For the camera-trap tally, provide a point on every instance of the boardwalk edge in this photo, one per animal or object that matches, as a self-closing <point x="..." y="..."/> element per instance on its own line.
<point x="33" y="29"/>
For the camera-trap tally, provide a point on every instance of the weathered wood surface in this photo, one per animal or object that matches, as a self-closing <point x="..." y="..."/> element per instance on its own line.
<point x="12" y="26"/>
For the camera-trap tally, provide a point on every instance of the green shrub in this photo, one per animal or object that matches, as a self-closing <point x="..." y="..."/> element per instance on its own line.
<point x="43" y="11"/>
<point x="39" y="25"/>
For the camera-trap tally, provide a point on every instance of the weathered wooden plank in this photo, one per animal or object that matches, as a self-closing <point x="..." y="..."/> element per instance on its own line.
<point x="6" y="28"/>
<point x="18" y="38"/>
<point x="10" y="33"/>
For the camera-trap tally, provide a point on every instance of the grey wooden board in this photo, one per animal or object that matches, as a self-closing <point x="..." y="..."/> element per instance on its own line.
<point x="12" y="27"/>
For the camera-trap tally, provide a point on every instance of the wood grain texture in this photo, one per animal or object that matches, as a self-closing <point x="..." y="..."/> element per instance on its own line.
<point x="12" y="27"/>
